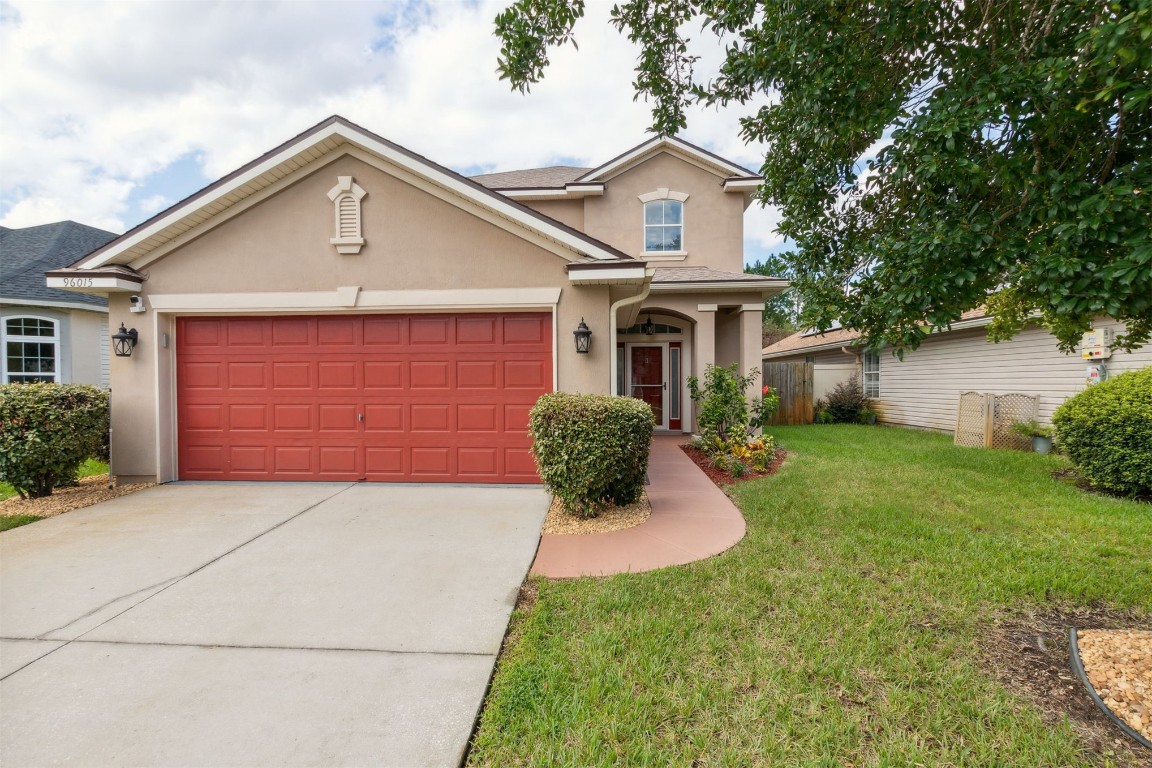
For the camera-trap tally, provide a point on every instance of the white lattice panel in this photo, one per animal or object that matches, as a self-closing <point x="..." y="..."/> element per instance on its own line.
<point x="1008" y="410"/>
<point x="970" y="420"/>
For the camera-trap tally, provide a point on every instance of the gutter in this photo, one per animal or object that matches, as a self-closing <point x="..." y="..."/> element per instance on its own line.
<point x="628" y="300"/>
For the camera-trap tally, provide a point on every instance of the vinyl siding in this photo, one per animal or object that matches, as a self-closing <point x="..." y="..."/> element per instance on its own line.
<point x="923" y="389"/>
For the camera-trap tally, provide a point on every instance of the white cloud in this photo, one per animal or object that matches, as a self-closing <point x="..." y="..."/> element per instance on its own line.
<point x="98" y="98"/>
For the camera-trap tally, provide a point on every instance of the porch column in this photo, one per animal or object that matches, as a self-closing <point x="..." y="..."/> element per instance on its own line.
<point x="704" y="345"/>
<point x="751" y="344"/>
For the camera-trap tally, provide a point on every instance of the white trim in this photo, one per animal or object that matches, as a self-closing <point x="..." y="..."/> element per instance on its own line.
<point x="707" y="307"/>
<point x="751" y="307"/>
<point x="53" y="304"/>
<point x="604" y="276"/>
<point x="665" y="256"/>
<point x="569" y="192"/>
<point x="56" y="340"/>
<point x="662" y="194"/>
<point x="459" y="186"/>
<point x="742" y="185"/>
<point x="674" y="196"/>
<point x="354" y="298"/>
<point x="655" y="144"/>
<point x="81" y="284"/>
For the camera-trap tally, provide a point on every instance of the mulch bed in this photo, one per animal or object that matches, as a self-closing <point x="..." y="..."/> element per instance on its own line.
<point x="722" y="478"/>
<point x="1029" y="654"/>
<point x="91" y="490"/>
<point x="560" y="523"/>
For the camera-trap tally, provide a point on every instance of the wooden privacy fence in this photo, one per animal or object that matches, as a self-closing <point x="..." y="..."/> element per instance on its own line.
<point x="794" y="383"/>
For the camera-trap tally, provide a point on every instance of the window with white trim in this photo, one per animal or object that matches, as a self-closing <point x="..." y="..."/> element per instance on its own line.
<point x="663" y="226"/>
<point x="871" y="374"/>
<point x="31" y="349"/>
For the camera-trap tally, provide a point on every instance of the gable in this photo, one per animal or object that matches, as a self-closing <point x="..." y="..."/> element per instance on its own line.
<point x="413" y="238"/>
<point x="270" y="173"/>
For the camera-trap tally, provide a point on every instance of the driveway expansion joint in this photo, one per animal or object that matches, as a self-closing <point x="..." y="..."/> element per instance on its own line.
<point x="170" y="583"/>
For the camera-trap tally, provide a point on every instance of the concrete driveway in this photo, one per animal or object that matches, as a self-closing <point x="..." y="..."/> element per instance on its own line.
<point x="260" y="624"/>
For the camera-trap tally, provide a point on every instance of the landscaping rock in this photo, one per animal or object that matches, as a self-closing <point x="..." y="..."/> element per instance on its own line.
<point x="1118" y="663"/>
<point x="91" y="490"/>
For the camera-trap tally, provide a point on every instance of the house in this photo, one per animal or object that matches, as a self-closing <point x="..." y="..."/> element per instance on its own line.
<point x="49" y="334"/>
<point x="341" y="308"/>
<point x="924" y="388"/>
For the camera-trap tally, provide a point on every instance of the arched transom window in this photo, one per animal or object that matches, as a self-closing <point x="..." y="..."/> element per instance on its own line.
<point x="31" y="349"/>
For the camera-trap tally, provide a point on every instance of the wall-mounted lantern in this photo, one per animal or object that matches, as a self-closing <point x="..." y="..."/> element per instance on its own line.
<point x="583" y="338"/>
<point x="648" y="328"/>
<point x="123" y="341"/>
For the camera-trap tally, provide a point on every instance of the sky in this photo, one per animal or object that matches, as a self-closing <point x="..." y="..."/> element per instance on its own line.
<point x="111" y="111"/>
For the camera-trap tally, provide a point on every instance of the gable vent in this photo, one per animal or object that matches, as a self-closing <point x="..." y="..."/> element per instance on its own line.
<point x="346" y="196"/>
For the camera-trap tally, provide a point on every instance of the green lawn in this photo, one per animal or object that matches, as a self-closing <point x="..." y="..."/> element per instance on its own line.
<point x="844" y="630"/>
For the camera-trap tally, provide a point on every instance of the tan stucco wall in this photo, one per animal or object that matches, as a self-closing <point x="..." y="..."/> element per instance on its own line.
<point x="570" y="212"/>
<point x="415" y="241"/>
<point x="713" y="218"/>
<point x="86" y="331"/>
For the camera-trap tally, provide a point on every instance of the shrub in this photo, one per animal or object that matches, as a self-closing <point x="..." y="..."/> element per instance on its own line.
<point x="723" y="409"/>
<point x="845" y="404"/>
<point x="47" y="431"/>
<point x="1106" y="430"/>
<point x="591" y="450"/>
<point x="725" y="417"/>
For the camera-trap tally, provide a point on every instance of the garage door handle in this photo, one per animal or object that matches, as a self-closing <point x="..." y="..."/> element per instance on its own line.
<point x="360" y="417"/>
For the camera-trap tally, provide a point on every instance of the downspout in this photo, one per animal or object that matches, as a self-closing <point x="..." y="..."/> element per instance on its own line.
<point x="614" y="365"/>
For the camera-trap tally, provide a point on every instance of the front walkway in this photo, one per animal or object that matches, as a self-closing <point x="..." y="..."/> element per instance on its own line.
<point x="691" y="519"/>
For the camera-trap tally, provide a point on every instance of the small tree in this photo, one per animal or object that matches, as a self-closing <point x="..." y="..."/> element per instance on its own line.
<point x="47" y="431"/>
<point x="723" y="407"/>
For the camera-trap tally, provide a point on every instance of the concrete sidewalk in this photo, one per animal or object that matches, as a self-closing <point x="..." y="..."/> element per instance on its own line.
<point x="259" y="625"/>
<point x="691" y="519"/>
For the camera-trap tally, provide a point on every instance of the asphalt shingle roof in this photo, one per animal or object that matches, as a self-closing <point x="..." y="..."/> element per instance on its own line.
<point x="26" y="254"/>
<point x="704" y="275"/>
<point x="531" y="178"/>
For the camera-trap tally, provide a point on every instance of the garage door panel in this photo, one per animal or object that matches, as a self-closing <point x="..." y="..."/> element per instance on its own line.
<point x="296" y="375"/>
<point x="390" y="398"/>
<point x="343" y="374"/>
<point x="430" y="374"/>
<point x="249" y="417"/>
<point x="384" y="375"/>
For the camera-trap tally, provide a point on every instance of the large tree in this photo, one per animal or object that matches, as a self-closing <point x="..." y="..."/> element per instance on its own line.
<point x="929" y="157"/>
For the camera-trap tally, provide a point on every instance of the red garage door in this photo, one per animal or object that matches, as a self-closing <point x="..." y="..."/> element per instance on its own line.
<point x="415" y="398"/>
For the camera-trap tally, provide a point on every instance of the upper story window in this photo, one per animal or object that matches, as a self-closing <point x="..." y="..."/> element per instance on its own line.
<point x="663" y="226"/>
<point x="31" y="349"/>
<point x="871" y="374"/>
<point x="664" y="222"/>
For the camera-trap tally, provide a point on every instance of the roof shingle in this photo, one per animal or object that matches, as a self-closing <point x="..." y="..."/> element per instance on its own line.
<point x="551" y="177"/>
<point x="26" y="254"/>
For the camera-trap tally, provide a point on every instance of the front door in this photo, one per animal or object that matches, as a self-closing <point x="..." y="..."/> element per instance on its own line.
<point x="648" y="378"/>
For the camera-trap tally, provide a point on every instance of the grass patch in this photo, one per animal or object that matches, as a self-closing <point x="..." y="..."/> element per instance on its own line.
<point x="87" y="469"/>
<point x="846" y="629"/>
<point x="8" y="522"/>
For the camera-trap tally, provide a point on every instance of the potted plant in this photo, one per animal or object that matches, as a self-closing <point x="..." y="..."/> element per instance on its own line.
<point x="1040" y="435"/>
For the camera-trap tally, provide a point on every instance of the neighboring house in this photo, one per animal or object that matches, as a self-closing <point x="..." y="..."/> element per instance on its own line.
<point x="343" y="309"/>
<point x="924" y="388"/>
<point x="48" y="334"/>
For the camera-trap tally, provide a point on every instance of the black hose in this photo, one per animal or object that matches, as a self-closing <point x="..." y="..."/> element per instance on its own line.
<point x="1078" y="668"/>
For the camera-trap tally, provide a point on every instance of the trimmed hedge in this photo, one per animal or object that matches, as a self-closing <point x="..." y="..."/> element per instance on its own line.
<point x="1107" y="432"/>
<point x="46" y="433"/>
<point x="591" y="450"/>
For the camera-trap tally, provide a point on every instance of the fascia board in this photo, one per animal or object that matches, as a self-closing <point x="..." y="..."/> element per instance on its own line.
<point x="370" y="144"/>
<point x="628" y="158"/>
<point x="53" y="304"/>
<point x="96" y="285"/>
